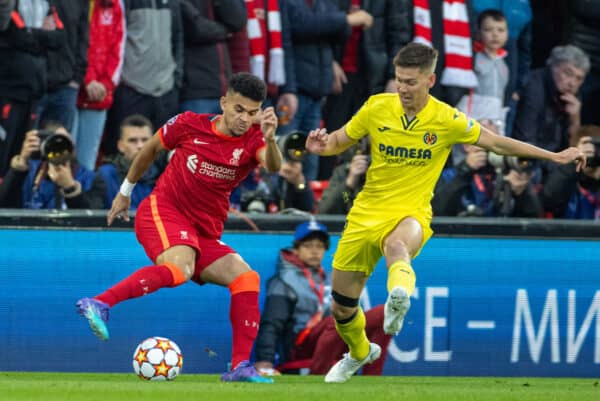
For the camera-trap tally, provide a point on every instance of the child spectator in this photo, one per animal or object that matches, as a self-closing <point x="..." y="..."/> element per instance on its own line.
<point x="490" y="66"/>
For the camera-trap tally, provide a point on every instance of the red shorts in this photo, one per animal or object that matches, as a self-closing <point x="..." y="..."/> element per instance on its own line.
<point x="159" y="226"/>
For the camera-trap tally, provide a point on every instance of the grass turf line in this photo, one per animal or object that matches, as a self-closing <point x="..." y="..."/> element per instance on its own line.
<point x="21" y="386"/>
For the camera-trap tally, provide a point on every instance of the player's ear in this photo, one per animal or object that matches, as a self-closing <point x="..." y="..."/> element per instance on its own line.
<point x="432" y="78"/>
<point x="223" y="102"/>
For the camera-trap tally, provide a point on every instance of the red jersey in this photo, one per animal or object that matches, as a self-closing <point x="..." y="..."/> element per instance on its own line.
<point x="206" y="166"/>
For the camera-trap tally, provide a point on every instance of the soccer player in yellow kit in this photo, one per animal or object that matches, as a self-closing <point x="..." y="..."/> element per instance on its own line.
<point x="411" y="136"/>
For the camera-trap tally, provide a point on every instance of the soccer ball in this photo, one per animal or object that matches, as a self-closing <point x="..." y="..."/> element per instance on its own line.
<point x="157" y="358"/>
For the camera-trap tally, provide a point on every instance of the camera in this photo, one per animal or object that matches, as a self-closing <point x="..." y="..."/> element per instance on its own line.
<point x="256" y="201"/>
<point x="506" y="163"/>
<point x="55" y="148"/>
<point x="292" y="145"/>
<point x="594" y="161"/>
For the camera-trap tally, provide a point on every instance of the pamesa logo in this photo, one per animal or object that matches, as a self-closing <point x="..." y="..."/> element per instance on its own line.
<point x="403" y="153"/>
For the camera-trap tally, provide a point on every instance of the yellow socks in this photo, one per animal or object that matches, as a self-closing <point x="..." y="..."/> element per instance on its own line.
<point x="353" y="334"/>
<point x="401" y="274"/>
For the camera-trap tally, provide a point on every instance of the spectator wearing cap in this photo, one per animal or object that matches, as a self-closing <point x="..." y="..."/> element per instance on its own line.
<point x="296" y="329"/>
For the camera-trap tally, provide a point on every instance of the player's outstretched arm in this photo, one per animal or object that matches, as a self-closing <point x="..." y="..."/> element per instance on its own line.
<point x="324" y="144"/>
<point x="512" y="147"/>
<point x="141" y="163"/>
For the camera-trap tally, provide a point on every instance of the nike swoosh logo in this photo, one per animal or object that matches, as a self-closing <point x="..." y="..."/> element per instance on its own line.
<point x="381" y="129"/>
<point x="199" y="142"/>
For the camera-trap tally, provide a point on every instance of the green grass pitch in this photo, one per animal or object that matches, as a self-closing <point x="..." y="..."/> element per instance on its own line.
<point x="20" y="386"/>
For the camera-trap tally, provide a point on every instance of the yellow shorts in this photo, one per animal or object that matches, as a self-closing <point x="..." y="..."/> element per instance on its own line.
<point x="361" y="246"/>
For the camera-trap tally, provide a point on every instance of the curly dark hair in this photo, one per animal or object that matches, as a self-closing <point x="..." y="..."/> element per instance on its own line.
<point x="248" y="85"/>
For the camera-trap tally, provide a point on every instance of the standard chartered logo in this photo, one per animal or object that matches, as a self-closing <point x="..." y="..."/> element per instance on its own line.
<point x="209" y="169"/>
<point x="192" y="163"/>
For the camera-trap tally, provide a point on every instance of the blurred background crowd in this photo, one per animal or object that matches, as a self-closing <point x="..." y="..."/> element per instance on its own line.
<point x="83" y="85"/>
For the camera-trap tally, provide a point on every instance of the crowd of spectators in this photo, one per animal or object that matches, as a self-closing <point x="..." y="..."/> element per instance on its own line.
<point x="104" y="74"/>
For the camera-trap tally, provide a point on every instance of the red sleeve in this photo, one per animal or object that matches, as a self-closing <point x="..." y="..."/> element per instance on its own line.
<point x="171" y="133"/>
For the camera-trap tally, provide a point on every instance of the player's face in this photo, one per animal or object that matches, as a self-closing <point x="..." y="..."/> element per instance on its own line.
<point x="239" y="112"/>
<point x="132" y="140"/>
<point x="311" y="252"/>
<point x="413" y="86"/>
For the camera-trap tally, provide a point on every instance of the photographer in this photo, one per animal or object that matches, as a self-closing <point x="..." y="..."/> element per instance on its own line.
<point x="289" y="188"/>
<point x="45" y="174"/>
<point x="476" y="188"/>
<point x="346" y="181"/>
<point x="572" y="195"/>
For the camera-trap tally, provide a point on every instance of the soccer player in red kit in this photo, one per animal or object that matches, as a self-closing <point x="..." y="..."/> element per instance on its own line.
<point x="181" y="222"/>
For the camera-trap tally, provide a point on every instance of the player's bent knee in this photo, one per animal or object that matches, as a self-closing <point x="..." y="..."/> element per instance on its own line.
<point x="181" y="274"/>
<point x="396" y="243"/>
<point x="248" y="281"/>
<point x="396" y="246"/>
<point x="343" y="306"/>
<point x="180" y="261"/>
<point x="342" y="313"/>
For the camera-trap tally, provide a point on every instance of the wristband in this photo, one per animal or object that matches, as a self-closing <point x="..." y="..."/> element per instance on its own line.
<point x="126" y="188"/>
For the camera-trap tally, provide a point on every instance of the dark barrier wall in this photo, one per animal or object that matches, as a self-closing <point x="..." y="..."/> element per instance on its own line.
<point x="483" y="306"/>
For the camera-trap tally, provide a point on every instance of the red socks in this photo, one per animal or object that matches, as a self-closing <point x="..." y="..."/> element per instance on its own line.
<point x="244" y="315"/>
<point x="244" y="312"/>
<point x="143" y="281"/>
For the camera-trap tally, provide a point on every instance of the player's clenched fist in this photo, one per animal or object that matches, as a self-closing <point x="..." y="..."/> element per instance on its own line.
<point x="316" y="140"/>
<point x="268" y="123"/>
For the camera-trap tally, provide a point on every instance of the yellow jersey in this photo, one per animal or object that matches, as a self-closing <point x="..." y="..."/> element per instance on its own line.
<point x="407" y="156"/>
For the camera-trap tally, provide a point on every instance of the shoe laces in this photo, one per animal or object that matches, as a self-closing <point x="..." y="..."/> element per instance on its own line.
<point x="99" y="310"/>
<point x="349" y="362"/>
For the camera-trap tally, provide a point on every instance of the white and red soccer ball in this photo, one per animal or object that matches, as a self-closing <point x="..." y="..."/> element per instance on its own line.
<point x="157" y="358"/>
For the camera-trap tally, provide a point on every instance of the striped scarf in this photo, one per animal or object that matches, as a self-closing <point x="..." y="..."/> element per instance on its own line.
<point x="259" y="43"/>
<point x="458" y="70"/>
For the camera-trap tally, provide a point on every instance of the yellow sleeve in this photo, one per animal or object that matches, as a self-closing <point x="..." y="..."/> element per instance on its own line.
<point x="358" y="126"/>
<point x="463" y="129"/>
